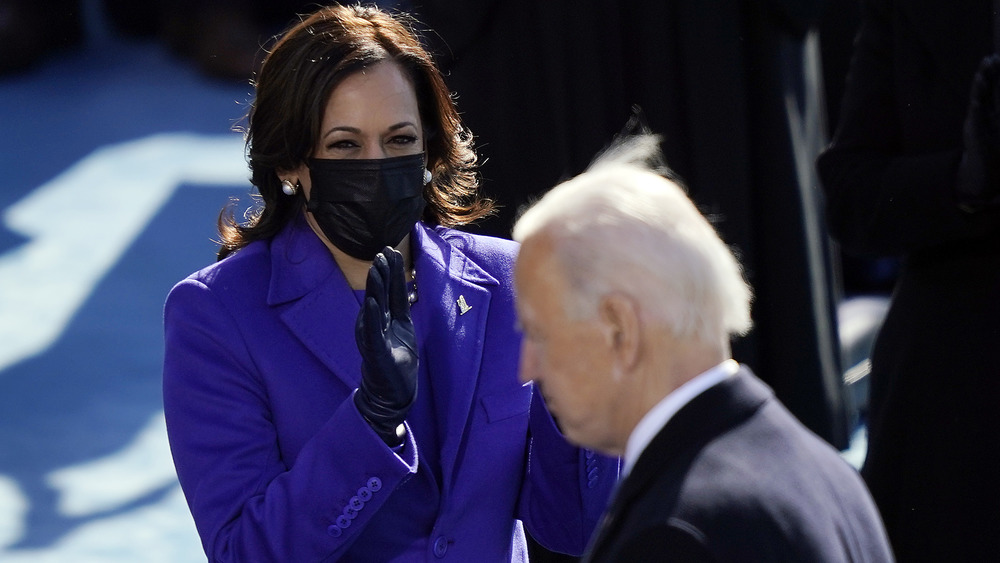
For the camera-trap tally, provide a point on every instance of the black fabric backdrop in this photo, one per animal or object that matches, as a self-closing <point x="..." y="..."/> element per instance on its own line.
<point x="734" y="88"/>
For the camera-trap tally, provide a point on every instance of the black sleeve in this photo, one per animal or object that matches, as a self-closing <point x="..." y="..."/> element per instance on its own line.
<point x="882" y="199"/>
<point x="665" y="542"/>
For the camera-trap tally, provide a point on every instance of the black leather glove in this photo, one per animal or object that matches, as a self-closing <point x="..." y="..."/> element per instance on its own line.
<point x="388" y="345"/>
<point x="978" y="181"/>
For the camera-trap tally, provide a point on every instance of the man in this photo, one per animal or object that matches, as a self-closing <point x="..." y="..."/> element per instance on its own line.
<point x="628" y="299"/>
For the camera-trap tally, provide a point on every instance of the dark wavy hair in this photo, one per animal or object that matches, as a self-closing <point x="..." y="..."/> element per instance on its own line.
<point x="294" y="83"/>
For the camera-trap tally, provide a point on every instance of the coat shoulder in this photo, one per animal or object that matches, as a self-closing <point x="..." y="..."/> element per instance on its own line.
<point x="245" y="271"/>
<point x="811" y="495"/>
<point x="494" y="254"/>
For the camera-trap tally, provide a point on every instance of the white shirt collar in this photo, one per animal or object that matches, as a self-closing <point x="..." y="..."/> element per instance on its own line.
<point x="653" y="421"/>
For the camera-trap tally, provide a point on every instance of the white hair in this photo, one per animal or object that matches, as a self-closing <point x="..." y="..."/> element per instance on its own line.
<point x="622" y="226"/>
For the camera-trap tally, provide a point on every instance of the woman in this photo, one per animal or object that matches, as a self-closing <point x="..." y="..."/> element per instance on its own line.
<point x="304" y="431"/>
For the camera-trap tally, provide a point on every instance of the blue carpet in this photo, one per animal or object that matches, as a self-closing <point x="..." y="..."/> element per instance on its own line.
<point x="115" y="159"/>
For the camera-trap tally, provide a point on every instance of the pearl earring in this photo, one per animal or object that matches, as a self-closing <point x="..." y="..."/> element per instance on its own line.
<point x="288" y="187"/>
<point x="427" y="176"/>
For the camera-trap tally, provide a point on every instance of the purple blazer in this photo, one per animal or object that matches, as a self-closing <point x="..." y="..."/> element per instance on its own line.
<point x="277" y="464"/>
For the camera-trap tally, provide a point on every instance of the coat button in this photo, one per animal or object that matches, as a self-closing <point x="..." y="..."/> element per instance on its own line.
<point x="592" y="477"/>
<point x="335" y="531"/>
<point x="374" y="484"/>
<point x="440" y="546"/>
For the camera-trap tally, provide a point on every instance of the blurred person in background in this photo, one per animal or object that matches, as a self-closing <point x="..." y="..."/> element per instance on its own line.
<point x="31" y="31"/>
<point x="342" y="383"/>
<point x="224" y="39"/>
<point x="914" y="172"/>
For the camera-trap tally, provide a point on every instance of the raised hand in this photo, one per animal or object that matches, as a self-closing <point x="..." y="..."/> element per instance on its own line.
<point x="388" y="345"/>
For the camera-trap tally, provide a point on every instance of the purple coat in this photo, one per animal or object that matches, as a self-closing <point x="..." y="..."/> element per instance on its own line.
<point x="278" y="465"/>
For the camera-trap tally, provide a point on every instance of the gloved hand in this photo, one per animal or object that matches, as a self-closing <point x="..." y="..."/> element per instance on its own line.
<point x="978" y="181"/>
<point x="388" y="345"/>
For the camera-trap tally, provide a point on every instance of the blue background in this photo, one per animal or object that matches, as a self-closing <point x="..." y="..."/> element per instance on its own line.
<point x="89" y="403"/>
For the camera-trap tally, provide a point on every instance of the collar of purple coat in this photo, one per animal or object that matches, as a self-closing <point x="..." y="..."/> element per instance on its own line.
<point x="320" y="308"/>
<point x="300" y="261"/>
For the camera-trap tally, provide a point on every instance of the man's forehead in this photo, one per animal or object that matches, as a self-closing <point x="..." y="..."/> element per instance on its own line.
<point x="533" y="273"/>
<point x="533" y="261"/>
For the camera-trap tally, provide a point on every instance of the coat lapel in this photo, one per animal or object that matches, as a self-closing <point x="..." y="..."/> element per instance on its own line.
<point x="453" y="348"/>
<point x="321" y="308"/>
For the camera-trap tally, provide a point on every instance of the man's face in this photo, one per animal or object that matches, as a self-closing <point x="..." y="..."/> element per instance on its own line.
<point x="569" y="358"/>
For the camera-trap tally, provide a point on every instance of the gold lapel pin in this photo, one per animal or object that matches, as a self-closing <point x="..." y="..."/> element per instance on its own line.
<point x="463" y="307"/>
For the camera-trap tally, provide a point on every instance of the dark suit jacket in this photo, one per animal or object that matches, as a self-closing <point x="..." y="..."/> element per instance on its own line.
<point x="934" y="428"/>
<point x="734" y="477"/>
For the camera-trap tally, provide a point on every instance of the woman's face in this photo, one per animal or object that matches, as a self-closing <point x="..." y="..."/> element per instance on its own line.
<point x="371" y="114"/>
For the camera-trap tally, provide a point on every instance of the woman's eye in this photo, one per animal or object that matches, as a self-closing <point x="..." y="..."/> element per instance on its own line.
<point x="403" y="140"/>
<point x="343" y="144"/>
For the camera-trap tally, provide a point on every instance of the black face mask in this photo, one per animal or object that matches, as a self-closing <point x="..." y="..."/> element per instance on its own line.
<point x="364" y="205"/>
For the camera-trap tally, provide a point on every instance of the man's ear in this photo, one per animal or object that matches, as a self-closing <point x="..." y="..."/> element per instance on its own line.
<point x="620" y="315"/>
